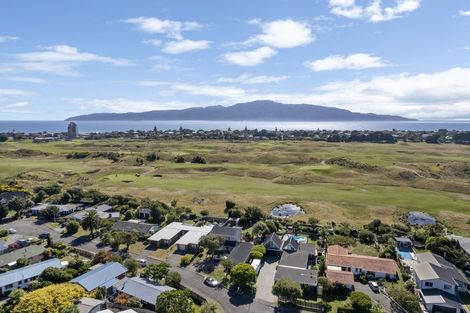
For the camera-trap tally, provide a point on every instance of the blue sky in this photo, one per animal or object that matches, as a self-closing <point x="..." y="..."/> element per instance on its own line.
<point x="64" y="58"/>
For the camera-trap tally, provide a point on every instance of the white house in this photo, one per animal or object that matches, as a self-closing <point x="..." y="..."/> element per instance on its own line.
<point x="185" y="236"/>
<point x="23" y="277"/>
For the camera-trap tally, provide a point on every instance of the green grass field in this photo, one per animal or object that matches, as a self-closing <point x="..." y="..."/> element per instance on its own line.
<point x="382" y="180"/>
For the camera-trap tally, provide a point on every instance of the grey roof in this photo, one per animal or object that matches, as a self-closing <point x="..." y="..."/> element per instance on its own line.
<point x="241" y="252"/>
<point x="87" y="305"/>
<point x="102" y="276"/>
<point x="403" y="239"/>
<point x="26" y="252"/>
<point x="227" y="231"/>
<point x="464" y="242"/>
<point x="292" y="242"/>
<point x="310" y="248"/>
<point x="437" y="267"/>
<point x="302" y="276"/>
<point x="27" y="272"/>
<point x="294" y="260"/>
<point x="275" y="238"/>
<point x="141" y="289"/>
<point x="142" y="228"/>
<point x="8" y="196"/>
<point x="439" y="297"/>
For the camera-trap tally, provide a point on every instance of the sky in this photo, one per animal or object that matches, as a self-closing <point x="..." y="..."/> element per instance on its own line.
<point x="66" y="58"/>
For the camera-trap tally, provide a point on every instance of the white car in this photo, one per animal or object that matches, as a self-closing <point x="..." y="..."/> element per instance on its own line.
<point x="374" y="286"/>
<point x="211" y="282"/>
<point x="142" y="262"/>
<point x="12" y="231"/>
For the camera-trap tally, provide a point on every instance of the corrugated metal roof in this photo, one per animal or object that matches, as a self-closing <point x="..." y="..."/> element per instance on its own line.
<point x="103" y="276"/>
<point x="141" y="289"/>
<point x="173" y="229"/>
<point x="27" y="272"/>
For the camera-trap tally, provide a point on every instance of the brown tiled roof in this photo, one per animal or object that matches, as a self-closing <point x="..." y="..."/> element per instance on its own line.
<point x="345" y="278"/>
<point x="337" y="249"/>
<point x="366" y="263"/>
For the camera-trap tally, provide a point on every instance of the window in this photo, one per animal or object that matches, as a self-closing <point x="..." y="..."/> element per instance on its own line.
<point x="428" y="284"/>
<point x="447" y="287"/>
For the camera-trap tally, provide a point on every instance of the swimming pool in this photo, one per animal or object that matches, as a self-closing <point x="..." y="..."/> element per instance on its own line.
<point x="299" y="239"/>
<point x="405" y="255"/>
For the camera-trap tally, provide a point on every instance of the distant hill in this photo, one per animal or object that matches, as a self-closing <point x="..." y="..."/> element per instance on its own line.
<point x="260" y="110"/>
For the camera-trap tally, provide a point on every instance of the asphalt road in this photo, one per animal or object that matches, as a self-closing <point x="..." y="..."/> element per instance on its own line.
<point x="228" y="301"/>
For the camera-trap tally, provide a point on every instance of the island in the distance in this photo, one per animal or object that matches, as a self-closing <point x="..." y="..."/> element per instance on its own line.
<point x="260" y="110"/>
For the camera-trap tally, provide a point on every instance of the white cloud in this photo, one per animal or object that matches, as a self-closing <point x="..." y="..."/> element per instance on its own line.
<point x="15" y="93"/>
<point x="123" y="105"/>
<point x="62" y="60"/>
<point x="283" y="33"/>
<point x="185" y="45"/>
<point x="250" y="58"/>
<point x="165" y="64"/>
<point x="152" y="42"/>
<point x="464" y="13"/>
<point x="212" y="91"/>
<point x="252" y="79"/>
<point x="32" y="80"/>
<point x="374" y="11"/>
<point x="356" y="61"/>
<point x="8" y="38"/>
<point x="17" y="107"/>
<point x="171" y="29"/>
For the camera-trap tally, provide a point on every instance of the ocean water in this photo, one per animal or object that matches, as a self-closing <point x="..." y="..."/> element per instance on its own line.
<point x="107" y="126"/>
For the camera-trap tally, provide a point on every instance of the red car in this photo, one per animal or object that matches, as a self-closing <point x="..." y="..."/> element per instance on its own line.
<point x="14" y="246"/>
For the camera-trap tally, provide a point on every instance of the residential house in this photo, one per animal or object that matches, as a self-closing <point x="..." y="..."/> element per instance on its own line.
<point x="104" y="211"/>
<point x="90" y="305"/>
<point x="136" y="226"/>
<point x="295" y="266"/>
<point x="339" y="259"/>
<point x="231" y="235"/>
<point x="341" y="277"/>
<point x="290" y="245"/>
<point x="403" y="243"/>
<point x="64" y="209"/>
<point x="142" y="289"/>
<point x="101" y="275"/>
<point x="431" y="271"/>
<point x="143" y="213"/>
<point x="24" y="276"/>
<point x="437" y="301"/>
<point x="273" y="244"/>
<point x="241" y="252"/>
<point x="185" y="236"/>
<point x="6" y="197"/>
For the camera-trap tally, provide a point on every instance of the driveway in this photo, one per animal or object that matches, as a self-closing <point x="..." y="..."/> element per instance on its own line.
<point x="265" y="281"/>
<point x="379" y="297"/>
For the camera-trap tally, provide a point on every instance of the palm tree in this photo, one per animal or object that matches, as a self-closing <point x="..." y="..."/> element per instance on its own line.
<point x="91" y="221"/>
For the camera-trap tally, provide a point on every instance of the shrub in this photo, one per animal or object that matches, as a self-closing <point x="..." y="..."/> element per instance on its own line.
<point x="186" y="260"/>
<point x="72" y="227"/>
<point x="258" y="252"/>
<point x="361" y="302"/>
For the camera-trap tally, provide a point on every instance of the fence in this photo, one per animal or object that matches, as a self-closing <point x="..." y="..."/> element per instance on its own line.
<point x="304" y="305"/>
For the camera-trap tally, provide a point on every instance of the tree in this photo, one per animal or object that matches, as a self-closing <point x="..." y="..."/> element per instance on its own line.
<point x="258" y="252"/>
<point x="22" y="262"/>
<point x="251" y="215"/>
<point x="18" y="205"/>
<point x="72" y="227"/>
<point x="229" y="205"/>
<point x="260" y="229"/>
<point x="198" y="160"/>
<point x="156" y="272"/>
<point x="287" y="289"/>
<point x="179" y="159"/>
<point x="129" y="238"/>
<point x="209" y="307"/>
<point x="51" y="299"/>
<point x="366" y="236"/>
<point x="40" y="196"/>
<point x="174" y="301"/>
<point x="3" y="138"/>
<point x="361" y="302"/>
<point x="3" y="211"/>
<point x="66" y="198"/>
<point x="408" y="300"/>
<point x="51" y="212"/>
<point x="173" y="279"/>
<point x="132" y="266"/>
<point x="91" y="221"/>
<point x="211" y="242"/>
<point x="71" y="309"/>
<point x="55" y="275"/>
<point x="243" y="276"/>
<point x="227" y="264"/>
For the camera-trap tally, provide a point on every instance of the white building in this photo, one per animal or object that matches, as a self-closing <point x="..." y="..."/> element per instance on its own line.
<point x="23" y="277"/>
<point x="185" y="236"/>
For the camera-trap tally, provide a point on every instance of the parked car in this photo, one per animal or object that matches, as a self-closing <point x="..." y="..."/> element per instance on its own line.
<point x="44" y="235"/>
<point x="142" y="262"/>
<point x="14" y="246"/>
<point x="211" y="282"/>
<point x="12" y="231"/>
<point x="23" y="243"/>
<point x="374" y="286"/>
